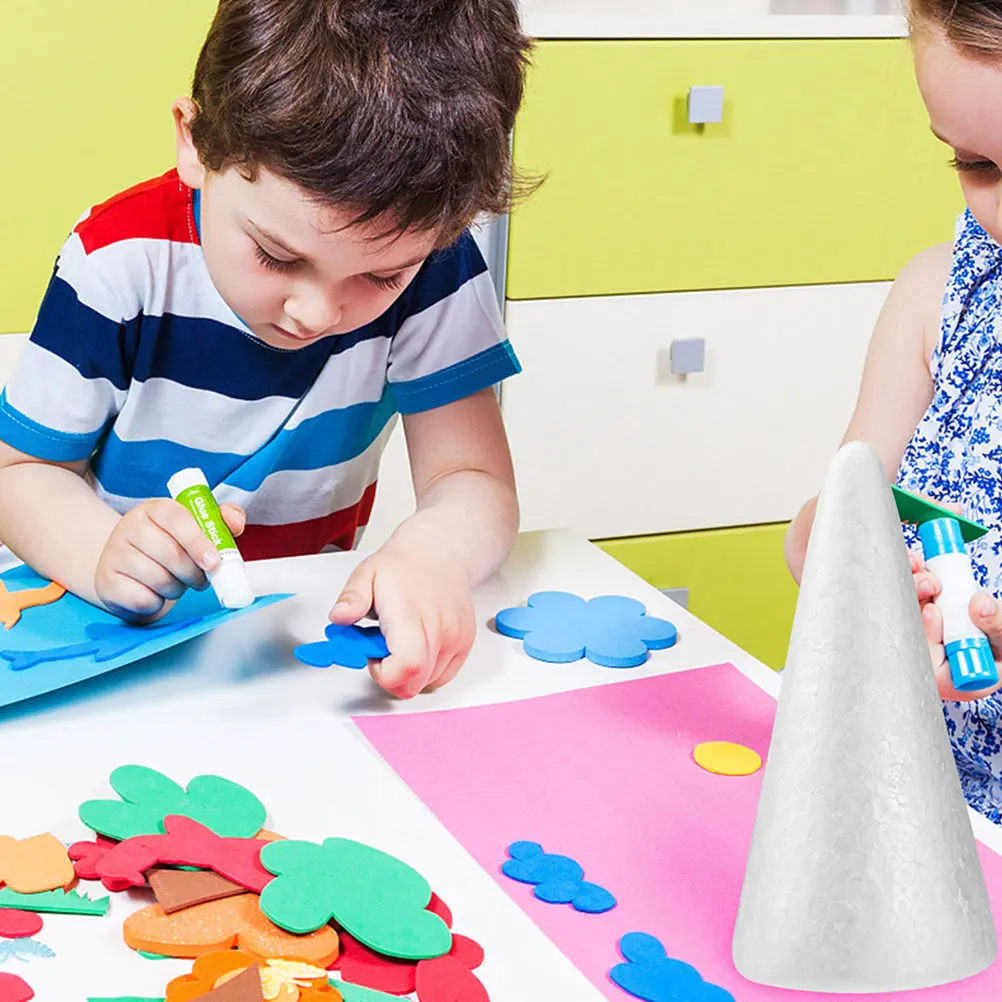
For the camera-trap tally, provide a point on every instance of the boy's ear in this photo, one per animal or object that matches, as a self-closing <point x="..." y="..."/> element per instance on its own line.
<point x="189" y="167"/>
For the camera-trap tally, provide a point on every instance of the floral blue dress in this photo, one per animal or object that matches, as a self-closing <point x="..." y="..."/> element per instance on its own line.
<point x="956" y="455"/>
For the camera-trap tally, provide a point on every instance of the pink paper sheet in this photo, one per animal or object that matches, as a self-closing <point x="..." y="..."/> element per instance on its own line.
<point x="605" y="775"/>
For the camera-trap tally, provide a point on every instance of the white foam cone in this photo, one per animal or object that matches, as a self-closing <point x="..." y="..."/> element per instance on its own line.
<point x="863" y="874"/>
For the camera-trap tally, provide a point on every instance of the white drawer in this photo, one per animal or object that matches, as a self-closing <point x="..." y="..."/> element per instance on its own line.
<point x="607" y="442"/>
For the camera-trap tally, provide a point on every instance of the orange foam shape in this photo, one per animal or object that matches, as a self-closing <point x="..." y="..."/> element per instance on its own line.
<point x="220" y="925"/>
<point x="290" y="979"/>
<point x="35" y="864"/>
<point x="13" y="603"/>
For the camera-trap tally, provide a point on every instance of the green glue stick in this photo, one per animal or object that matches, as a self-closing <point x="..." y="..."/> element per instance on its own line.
<point x="229" y="580"/>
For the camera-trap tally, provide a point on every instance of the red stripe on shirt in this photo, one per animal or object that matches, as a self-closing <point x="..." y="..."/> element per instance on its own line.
<point x="260" y="542"/>
<point x="159" y="209"/>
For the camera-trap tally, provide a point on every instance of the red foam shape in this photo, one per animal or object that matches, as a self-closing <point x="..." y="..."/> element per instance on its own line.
<point x="446" y="979"/>
<point x="467" y="951"/>
<point x="361" y="966"/>
<point x="14" y="989"/>
<point x="15" y="924"/>
<point x="438" y="907"/>
<point x="87" y="855"/>
<point x="187" y="843"/>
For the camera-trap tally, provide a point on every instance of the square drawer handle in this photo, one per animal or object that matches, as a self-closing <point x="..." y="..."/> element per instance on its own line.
<point x="706" y="104"/>
<point x="688" y="355"/>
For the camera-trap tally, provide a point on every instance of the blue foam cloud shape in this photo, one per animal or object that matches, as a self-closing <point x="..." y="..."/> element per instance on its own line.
<point x="610" y="630"/>
<point x="346" y="646"/>
<point x="559" y="880"/>
<point x="650" y="974"/>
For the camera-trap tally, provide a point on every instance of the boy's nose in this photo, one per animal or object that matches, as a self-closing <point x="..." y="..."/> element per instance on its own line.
<point x="316" y="312"/>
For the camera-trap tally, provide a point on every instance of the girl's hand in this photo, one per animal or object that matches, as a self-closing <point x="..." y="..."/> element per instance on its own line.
<point x="422" y="598"/>
<point x="986" y="614"/>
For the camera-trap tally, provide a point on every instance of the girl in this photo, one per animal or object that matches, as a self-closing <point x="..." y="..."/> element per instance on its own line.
<point x="930" y="402"/>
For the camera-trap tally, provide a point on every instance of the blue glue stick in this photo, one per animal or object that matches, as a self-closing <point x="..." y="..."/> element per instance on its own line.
<point x="972" y="663"/>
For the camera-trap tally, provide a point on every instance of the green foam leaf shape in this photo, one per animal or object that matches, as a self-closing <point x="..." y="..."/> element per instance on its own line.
<point x="356" y="993"/>
<point x="58" y="902"/>
<point x="378" y="899"/>
<point x="148" y="796"/>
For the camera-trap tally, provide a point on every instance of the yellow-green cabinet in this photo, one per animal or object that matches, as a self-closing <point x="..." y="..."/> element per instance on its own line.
<point x="822" y="169"/>
<point x="737" y="581"/>
<point x="87" y="112"/>
<point x="766" y="239"/>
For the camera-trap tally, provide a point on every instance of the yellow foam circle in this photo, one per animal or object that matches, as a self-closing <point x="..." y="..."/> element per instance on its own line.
<point x="726" y="758"/>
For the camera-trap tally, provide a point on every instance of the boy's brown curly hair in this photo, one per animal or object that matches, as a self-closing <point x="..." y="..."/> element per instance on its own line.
<point x="395" y="107"/>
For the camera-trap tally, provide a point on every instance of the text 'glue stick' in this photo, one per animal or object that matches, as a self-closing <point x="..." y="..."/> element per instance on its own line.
<point x="229" y="580"/>
<point x="972" y="664"/>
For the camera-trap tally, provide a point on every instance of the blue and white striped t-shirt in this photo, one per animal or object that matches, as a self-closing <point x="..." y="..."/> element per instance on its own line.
<point x="137" y="364"/>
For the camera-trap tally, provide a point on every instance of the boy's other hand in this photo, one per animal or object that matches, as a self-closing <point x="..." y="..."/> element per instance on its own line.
<point x="422" y="598"/>
<point x="156" y="551"/>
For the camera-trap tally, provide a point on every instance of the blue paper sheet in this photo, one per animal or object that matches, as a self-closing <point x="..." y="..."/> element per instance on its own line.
<point x="93" y="641"/>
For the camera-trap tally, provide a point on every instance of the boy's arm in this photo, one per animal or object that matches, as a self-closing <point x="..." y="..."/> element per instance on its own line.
<point x="419" y="582"/>
<point x="52" y="519"/>
<point x="464" y="483"/>
<point x="896" y="388"/>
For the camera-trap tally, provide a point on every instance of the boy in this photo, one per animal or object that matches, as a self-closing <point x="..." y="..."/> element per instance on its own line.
<point x="264" y="311"/>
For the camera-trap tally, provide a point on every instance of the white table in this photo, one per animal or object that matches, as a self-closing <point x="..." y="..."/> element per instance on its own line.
<point x="236" y="703"/>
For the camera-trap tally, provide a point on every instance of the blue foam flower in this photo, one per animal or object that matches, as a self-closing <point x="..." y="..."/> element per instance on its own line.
<point x="610" y="630"/>
<point x="347" y="646"/>
<point x="559" y="880"/>
<point x="650" y="974"/>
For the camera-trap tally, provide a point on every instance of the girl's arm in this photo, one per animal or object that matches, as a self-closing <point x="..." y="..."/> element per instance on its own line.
<point x="896" y="388"/>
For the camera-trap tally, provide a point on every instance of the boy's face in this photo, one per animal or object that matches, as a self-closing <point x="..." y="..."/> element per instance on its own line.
<point x="287" y="267"/>
<point x="964" y="99"/>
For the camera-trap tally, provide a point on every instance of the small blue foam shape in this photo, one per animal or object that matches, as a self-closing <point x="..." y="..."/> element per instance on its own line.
<point x="347" y="646"/>
<point x="22" y="948"/>
<point x="611" y="630"/>
<point x="559" y="880"/>
<point x="650" y="974"/>
<point x="105" y="642"/>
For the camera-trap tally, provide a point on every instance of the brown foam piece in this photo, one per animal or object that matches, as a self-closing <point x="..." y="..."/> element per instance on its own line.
<point x="177" y="889"/>
<point x="245" y="987"/>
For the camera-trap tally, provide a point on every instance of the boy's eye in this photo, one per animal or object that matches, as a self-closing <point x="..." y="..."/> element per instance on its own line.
<point x="386" y="281"/>
<point x="972" y="166"/>
<point x="275" y="263"/>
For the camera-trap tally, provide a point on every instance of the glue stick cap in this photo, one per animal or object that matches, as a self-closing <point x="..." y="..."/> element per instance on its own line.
<point x="972" y="664"/>
<point x="940" y="536"/>
<point x="230" y="582"/>
<point x="183" y="479"/>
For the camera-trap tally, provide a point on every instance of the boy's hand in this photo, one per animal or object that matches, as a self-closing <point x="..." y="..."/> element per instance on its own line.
<point x="986" y="614"/>
<point x="155" y="552"/>
<point x="422" y="597"/>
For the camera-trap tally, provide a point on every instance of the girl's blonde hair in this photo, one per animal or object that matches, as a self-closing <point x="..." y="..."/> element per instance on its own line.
<point x="973" y="26"/>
